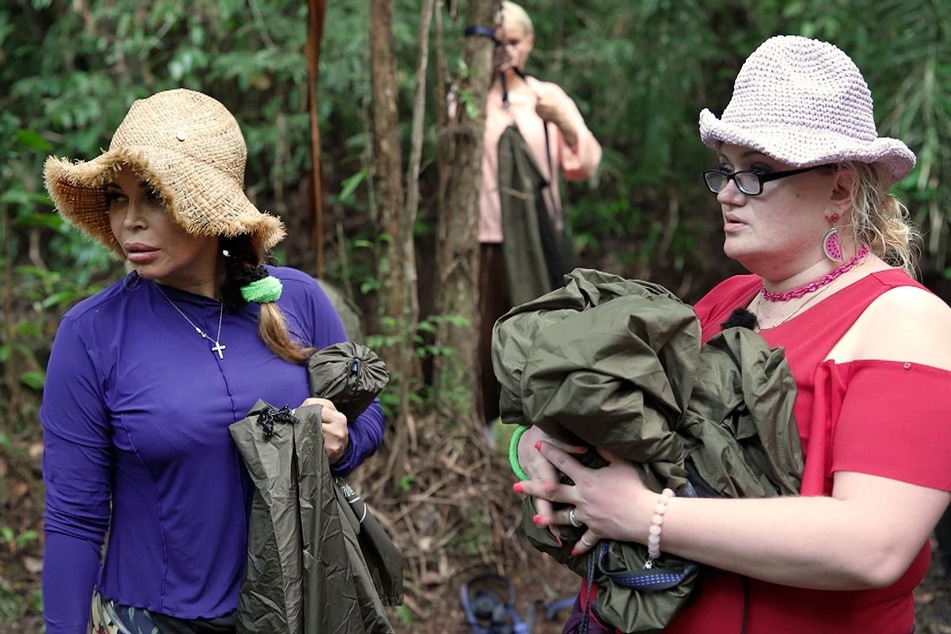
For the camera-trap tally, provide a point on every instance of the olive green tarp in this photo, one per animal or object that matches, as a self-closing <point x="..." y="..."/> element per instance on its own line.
<point x="617" y="364"/>
<point x="317" y="559"/>
<point x="536" y="254"/>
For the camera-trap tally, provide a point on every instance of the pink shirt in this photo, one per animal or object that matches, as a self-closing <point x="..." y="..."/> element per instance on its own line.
<point x="576" y="163"/>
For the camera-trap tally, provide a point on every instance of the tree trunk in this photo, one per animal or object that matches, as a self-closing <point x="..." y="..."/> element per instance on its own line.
<point x="399" y="310"/>
<point x="316" y="10"/>
<point x="456" y="376"/>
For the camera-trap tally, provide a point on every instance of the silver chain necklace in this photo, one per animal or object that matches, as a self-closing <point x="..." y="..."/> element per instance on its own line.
<point x="802" y="306"/>
<point x="218" y="348"/>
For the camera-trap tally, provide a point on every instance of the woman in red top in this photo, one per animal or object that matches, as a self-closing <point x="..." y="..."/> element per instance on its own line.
<point x="802" y="184"/>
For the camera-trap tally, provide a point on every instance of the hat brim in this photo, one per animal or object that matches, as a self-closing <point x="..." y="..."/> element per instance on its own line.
<point x="193" y="192"/>
<point x="792" y="146"/>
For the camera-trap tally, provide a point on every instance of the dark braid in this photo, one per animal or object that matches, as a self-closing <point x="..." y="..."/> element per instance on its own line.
<point x="243" y="265"/>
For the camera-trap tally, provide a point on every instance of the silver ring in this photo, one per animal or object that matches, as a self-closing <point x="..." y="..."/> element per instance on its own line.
<point x="572" y="519"/>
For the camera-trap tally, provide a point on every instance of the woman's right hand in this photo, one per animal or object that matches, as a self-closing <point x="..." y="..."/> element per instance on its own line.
<point x="334" y="427"/>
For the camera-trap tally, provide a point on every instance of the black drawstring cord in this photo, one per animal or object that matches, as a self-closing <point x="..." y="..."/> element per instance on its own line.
<point x="505" y="92"/>
<point x="269" y="416"/>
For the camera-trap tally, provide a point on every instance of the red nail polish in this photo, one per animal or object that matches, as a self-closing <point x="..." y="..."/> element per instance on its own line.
<point x="517" y="487"/>
<point x="537" y="519"/>
<point x="538" y="445"/>
<point x="574" y="552"/>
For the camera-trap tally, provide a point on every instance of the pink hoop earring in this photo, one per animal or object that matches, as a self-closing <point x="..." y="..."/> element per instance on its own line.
<point x="830" y="242"/>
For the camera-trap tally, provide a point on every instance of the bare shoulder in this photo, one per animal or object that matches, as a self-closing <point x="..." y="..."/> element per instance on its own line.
<point x="548" y="89"/>
<point x="904" y="324"/>
<point x="910" y="302"/>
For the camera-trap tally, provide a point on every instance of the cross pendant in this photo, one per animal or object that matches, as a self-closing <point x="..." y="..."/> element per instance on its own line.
<point x="218" y="347"/>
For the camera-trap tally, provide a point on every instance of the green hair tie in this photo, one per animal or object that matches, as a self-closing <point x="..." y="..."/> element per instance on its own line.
<point x="263" y="291"/>
<point x="513" y="452"/>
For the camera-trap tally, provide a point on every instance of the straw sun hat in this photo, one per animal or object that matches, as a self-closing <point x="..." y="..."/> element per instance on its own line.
<point x="189" y="148"/>
<point x="804" y="102"/>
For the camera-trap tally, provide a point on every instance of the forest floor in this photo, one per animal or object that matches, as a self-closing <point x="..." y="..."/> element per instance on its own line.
<point x="455" y="520"/>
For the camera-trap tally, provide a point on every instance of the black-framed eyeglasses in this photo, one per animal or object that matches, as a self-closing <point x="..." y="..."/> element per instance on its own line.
<point x="750" y="182"/>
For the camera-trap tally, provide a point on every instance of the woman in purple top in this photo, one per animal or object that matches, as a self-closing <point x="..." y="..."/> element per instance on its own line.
<point x="145" y="376"/>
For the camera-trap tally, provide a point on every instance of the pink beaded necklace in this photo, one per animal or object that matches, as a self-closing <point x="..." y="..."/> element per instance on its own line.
<point x="812" y="287"/>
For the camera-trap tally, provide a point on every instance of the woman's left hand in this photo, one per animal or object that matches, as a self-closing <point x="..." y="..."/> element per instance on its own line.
<point x="612" y="502"/>
<point x="334" y="424"/>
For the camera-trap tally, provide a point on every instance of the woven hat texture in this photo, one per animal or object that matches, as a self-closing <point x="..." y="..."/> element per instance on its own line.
<point x="190" y="149"/>
<point x="804" y="102"/>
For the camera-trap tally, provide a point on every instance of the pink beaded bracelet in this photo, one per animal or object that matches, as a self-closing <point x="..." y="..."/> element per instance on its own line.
<point x="657" y="524"/>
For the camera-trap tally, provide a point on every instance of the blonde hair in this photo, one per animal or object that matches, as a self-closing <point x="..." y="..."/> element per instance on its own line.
<point x="880" y="220"/>
<point x="515" y="14"/>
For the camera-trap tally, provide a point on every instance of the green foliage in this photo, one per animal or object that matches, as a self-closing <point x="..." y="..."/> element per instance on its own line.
<point x="639" y="71"/>
<point x="406" y="483"/>
<point x="427" y="329"/>
<point x="17" y="599"/>
<point x="16" y="541"/>
<point x="11" y="603"/>
<point x="392" y="335"/>
<point x="33" y="242"/>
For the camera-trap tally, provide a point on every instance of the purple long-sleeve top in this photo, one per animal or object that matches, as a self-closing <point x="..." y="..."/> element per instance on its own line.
<point x="135" y="418"/>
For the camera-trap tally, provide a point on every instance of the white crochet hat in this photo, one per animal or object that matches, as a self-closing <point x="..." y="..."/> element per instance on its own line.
<point x="189" y="148"/>
<point x="804" y="102"/>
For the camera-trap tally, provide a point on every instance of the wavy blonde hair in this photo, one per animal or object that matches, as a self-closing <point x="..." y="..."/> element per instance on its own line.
<point x="881" y="220"/>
